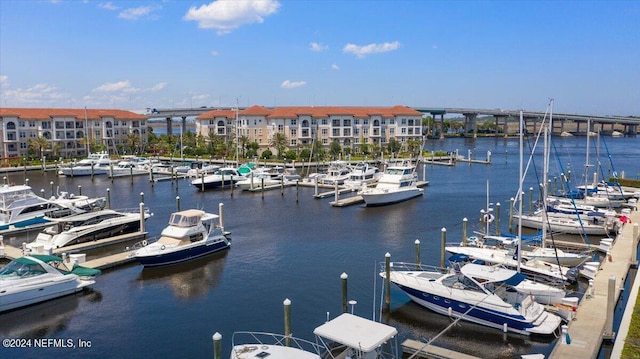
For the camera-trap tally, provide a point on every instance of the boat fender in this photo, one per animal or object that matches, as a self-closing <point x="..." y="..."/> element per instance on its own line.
<point x="144" y="242"/>
<point x="163" y="247"/>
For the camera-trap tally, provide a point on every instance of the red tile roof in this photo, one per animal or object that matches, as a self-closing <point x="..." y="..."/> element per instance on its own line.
<point x="314" y="111"/>
<point x="48" y="113"/>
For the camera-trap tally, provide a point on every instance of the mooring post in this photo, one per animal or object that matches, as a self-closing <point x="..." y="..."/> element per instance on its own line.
<point x="443" y="241"/>
<point x="336" y="193"/>
<point x="141" y="196"/>
<point x="42" y="192"/>
<point x="464" y="231"/>
<point x="287" y="321"/>
<point x="108" y="198"/>
<point x="217" y="345"/>
<point x="79" y="190"/>
<point x="178" y="203"/>
<point x="221" y="215"/>
<point x="511" y="201"/>
<point x="343" y="278"/>
<point x="530" y="200"/>
<point x="387" y="281"/>
<point x="497" y="212"/>
<point x="417" y="243"/>
<point x="611" y="304"/>
<point x="141" y="216"/>
<point x="51" y="184"/>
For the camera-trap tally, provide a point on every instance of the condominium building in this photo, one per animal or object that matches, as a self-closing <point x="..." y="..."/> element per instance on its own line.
<point x="66" y="129"/>
<point x="349" y="126"/>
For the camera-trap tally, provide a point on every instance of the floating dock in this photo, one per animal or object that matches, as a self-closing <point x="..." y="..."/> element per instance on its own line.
<point x="591" y="325"/>
<point x="420" y="349"/>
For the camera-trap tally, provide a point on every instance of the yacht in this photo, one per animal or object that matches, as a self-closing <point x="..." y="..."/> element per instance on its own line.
<point x="94" y="164"/>
<point x="258" y="179"/>
<point x="477" y="293"/>
<point x="347" y="336"/>
<point x="363" y="175"/>
<point x="337" y="173"/>
<point x="36" y="278"/>
<point x="85" y="227"/>
<point x="190" y="234"/>
<point x="223" y="178"/>
<point x="398" y="183"/>
<point x="20" y="207"/>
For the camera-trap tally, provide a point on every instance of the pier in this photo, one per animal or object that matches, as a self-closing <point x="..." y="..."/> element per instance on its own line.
<point x="592" y="323"/>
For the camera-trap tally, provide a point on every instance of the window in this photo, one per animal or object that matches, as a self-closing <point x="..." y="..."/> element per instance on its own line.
<point x="384" y="121"/>
<point x="365" y="122"/>
<point x="325" y="121"/>
<point x="356" y="121"/>
<point x="347" y="132"/>
<point x="23" y="134"/>
<point x="294" y="132"/>
<point x="21" y="124"/>
<point x="280" y="128"/>
<point x="294" y="122"/>
<point x="32" y="123"/>
<point x="356" y="131"/>
<point x="294" y="142"/>
<point x="403" y="130"/>
<point x="46" y="125"/>
<point x="403" y="121"/>
<point x="325" y="132"/>
<point x="347" y="123"/>
<point x="335" y="123"/>
<point x="336" y="132"/>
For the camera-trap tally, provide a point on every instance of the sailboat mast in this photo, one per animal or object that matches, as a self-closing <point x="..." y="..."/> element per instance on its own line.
<point x="520" y="174"/>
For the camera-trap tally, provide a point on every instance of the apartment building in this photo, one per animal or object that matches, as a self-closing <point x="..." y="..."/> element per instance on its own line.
<point x="350" y="126"/>
<point x="65" y="129"/>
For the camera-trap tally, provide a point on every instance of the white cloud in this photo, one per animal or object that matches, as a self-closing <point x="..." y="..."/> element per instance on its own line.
<point x="126" y="87"/>
<point x="139" y="12"/>
<point x="335" y="67"/>
<point x="39" y="94"/>
<point x="316" y="47"/>
<point x="362" y="51"/>
<point x="108" y="6"/>
<point x="227" y="15"/>
<point x="4" y="81"/>
<point x="286" y="84"/>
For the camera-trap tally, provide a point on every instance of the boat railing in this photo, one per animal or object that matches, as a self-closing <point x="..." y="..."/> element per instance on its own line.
<point x="253" y="339"/>
<point x="413" y="267"/>
<point x="141" y="244"/>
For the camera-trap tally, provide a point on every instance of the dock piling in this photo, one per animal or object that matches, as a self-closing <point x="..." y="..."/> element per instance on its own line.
<point x="387" y="282"/>
<point x="497" y="217"/>
<point x="220" y="215"/>
<point x="464" y="231"/>
<point x="42" y="192"/>
<point x="108" y="198"/>
<point x="343" y="278"/>
<point x="178" y="203"/>
<point x="141" y="216"/>
<point x="79" y="190"/>
<point x="608" y="332"/>
<point x="287" y="321"/>
<point x="50" y="184"/>
<point x="443" y="240"/>
<point x="417" y="243"/>
<point x="217" y="345"/>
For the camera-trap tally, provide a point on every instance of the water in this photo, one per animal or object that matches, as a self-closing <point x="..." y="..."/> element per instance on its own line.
<point x="287" y="249"/>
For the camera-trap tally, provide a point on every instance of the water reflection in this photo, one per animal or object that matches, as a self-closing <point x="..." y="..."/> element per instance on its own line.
<point x="46" y="319"/>
<point x="465" y="337"/>
<point x="189" y="279"/>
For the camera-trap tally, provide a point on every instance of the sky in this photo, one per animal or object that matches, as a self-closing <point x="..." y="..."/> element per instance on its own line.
<point x="133" y="55"/>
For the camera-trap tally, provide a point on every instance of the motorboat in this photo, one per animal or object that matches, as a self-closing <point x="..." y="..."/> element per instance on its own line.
<point x="85" y="227"/>
<point x="224" y="177"/>
<point x="477" y="293"/>
<point x="337" y="173"/>
<point x="258" y="179"/>
<point x="94" y="164"/>
<point x="199" y="169"/>
<point x="568" y="223"/>
<point x="36" y="278"/>
<point x="398" y="183"/>
<point x="190" y="234"/>
<point x="133" y="166"/>
<point x="20" y="207"/>
<point x="346" y="336"/>
<point x="363" y="175"/>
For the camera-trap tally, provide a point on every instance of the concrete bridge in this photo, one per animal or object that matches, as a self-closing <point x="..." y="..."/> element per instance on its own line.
<point x="532" y="119"/>
<point x="502" y="117"/>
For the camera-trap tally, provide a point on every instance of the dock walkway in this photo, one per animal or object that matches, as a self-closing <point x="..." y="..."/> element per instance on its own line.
<point x="586" y="331"/>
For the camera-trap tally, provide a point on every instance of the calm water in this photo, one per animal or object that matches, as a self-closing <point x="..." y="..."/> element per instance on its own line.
<point x="287" y="249"/>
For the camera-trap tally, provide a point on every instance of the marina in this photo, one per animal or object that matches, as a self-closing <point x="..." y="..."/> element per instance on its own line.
<point x="291" y="245"/>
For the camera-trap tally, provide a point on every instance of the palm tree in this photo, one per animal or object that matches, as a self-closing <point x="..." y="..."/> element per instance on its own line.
<point x="243" y="141"/>
<point x="394" y="145"/>
<point x="38" y="144"/>
<point x="132" y="142"/>
<point x="279" y="142"/>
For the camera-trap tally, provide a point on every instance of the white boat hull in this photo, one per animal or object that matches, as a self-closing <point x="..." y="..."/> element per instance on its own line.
<point x="16" y="295"/>
<point x="384" y="196"/>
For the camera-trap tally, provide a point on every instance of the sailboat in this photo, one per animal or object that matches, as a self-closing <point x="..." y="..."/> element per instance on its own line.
<point x="530" y="264"/>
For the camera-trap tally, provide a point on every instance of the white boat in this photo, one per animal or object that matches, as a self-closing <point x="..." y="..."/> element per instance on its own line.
<point x="567" y="223"/>
<point x="258" y="179"/>
<point x="347" y="336"/>
<point x="85" y="227"/>
<point x="363" y="175"/>
<point x="190" y="234"/>
<point x="225" y="177"/>
<point x="94" y="164"/>
<point x="20" y="207"/>
<point x="398" y="183"/>
<point x="477" y="293"/>
<point x="337" y="173"/>
<point x="32" y="279"/>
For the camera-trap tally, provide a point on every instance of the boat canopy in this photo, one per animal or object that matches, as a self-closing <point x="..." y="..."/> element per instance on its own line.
<point x="41" y="257"/>
<point x="84" y="271"/>
<point x="356" y="332"/>
<point x="491" y="274"/>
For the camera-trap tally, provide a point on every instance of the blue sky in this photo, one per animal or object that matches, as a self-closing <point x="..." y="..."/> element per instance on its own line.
<point x="481" y="54"/>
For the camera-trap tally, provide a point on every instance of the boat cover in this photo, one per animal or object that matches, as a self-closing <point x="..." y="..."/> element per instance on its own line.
<point x="356" y="332"/>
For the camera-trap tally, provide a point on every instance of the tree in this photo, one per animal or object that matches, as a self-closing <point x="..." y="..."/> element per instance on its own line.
<point x="394" y="146"/>
<point x="243" y="141"/>
<point x="132" y="142"/>
<point x="364" y="147"/>
<point x="279" y="142"/>
<point x="414" y="146"/>
<point x="38" y="144"/>
<point x="335" y="149"/>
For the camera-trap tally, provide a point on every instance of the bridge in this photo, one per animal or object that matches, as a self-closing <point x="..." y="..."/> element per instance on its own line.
<point x="531" y="118"/>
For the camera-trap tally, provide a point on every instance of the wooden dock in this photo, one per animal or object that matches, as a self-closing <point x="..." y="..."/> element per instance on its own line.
<point x="587" y="331"/>
<point x="422" y="350"/>
<point x="111" y="261"/>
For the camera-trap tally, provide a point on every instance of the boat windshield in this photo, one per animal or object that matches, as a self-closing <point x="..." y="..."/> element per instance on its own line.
<point x="21" y="269"/>
<point x="180" y="220"/>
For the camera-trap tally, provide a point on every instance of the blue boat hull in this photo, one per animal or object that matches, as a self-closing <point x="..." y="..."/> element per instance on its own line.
<point x="478" y="314"/>
<point x="182" y="255"/>
<point x="24" y="223"/>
